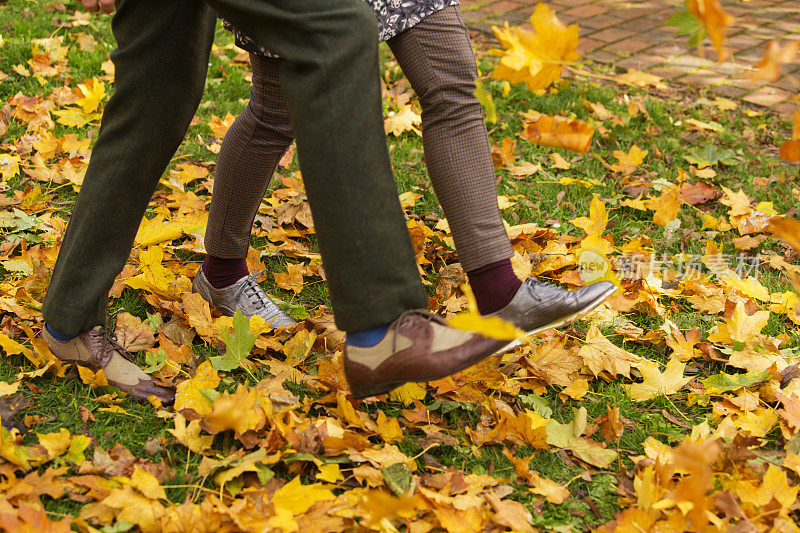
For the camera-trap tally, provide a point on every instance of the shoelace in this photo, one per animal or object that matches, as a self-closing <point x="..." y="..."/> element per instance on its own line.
<point x="535" y="283"/>
<point x="254" y="294"/>
<point x="109" y="346"/>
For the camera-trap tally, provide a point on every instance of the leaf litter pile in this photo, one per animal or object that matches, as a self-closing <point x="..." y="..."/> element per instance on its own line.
<point x="675" y="406"/>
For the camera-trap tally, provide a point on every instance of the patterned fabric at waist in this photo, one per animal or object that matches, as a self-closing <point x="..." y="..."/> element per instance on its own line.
<point x="394" y="17"/>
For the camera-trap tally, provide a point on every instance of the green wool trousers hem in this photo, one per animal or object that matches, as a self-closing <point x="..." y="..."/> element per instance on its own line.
<point x="330" y="81"/>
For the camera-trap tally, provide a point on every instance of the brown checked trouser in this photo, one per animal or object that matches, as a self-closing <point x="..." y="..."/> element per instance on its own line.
<point x="330" y="77"/>
<point x="437" y="58"/>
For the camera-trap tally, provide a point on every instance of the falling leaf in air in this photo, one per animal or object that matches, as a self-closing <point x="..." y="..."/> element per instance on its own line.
<point x="787" y="229"/>
<point x="537" y="57"/>
<point x="485" y="98"/>
<point x="715" y="20"/>
<point x="559" y="132"/>
<point x="775" y="56"/>
<point x="790" y="150"/>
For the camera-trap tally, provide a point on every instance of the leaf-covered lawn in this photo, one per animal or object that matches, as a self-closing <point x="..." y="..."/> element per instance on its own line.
<point x="675" y="406"/>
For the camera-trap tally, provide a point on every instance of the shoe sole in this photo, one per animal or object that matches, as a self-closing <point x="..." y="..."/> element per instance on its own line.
<point x="375" y="389"/>
<point x="384" y="387"/>
<point x="569" y="319"/>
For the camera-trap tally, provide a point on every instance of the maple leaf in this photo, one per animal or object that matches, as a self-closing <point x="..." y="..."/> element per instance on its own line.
<point x="91" y="93"/>
<point x="409" y="392"/>
<point x="600" y="355"/>
<point x="157" y="230"/>
<point x="135" y="508"/>
<point x="559" y="132"/>
<point x="27" y="519"/>
<point x="189" y="435"/>
<point x="510" y="514"/>
<point x="147" y="484"/>
<point x="292" y="280"/>
<point x="488" y="326"/>
<point x="525" y="429"/>
<point x="503" y="155"/>
<point x="775" y="56"/>
<point x="406" y="119"/>
<point x="695" y="459"/>
<point x="683" y="346"/>
<point x="9" y="165"/>
<point x="298" y="347"/>
<point x="666" y="207"/>
<point x="715" y="20"/>
<point x="568" y="436"/>
<point x="188" y="393"/>
<point x="389" y="428"/>
<point x="330" y="473"/>
<point x="298" y="498"/>
<point x="485" y="99"/>
<point x="158" y="279"/>
<point x="245" y="410"/>
<point x="55" y="443"/>
<point x="739" y="327"/>
<point x="627" y="162"/>
<point x="738" y="202"/>
<point x="381" y="504"/>
<point x="791" y="410"/>
<point x="639" y="78"/>
<point x="198" y="314"/>
<point x="219" y="126"/>
<point x="710" y="155"/>
<point x="658" y="383"/>
<point x="787" y="229"/>
<point x="611" y="427"/>
<point x="596" y="224"/>
<point x="775" y="485"/>
<point x="537" y="57"/>
<point x="575" y="390"/>
<point x="238" y="344"/>
<point x="133" y="334"/>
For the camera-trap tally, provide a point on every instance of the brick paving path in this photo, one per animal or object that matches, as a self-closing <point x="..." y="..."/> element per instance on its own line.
<point x="632" y="34"/>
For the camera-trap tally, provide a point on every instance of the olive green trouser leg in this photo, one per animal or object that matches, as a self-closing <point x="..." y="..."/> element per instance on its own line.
<point x="330" y="80"/>
<point x="161" y="61"/>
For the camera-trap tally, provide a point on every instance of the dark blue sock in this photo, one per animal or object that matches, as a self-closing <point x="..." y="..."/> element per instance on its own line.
<point x="367" y="338"/>
<point x="58" y="336"/>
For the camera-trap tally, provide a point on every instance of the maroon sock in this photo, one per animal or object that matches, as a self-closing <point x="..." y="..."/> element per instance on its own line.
<point x="494" y="286"/>
<point x="223" y="272"/>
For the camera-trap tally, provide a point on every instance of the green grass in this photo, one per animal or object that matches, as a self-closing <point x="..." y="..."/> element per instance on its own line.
<point x="544" y="199"/>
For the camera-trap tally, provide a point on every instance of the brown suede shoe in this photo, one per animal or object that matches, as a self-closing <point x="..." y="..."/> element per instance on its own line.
<point x="417" y="347"/>
<point x="95" y="349"/>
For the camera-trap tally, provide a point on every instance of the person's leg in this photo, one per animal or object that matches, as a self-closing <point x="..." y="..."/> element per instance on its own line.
<point x="250" y="153"/>
<point x="330" y="80"/>
<point x="249" y="156"/>
<point x="437" y="58"/>
<point x="160" y="67"/>
<point x="161" y="43"/>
